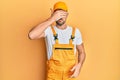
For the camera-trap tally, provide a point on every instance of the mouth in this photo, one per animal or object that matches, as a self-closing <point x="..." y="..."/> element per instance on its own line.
<point x="60" y="20"/>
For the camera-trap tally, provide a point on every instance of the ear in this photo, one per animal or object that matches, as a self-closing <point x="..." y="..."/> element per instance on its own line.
<point x="51" y="11"/>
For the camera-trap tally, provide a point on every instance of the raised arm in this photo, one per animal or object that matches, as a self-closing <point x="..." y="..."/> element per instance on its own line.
<point x="38" y="31"/>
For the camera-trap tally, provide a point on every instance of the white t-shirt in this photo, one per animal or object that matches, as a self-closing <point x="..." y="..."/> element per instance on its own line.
<point x="63" y="38"/>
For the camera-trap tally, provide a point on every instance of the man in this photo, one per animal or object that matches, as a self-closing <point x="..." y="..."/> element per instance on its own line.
<point x="62" y="42"/>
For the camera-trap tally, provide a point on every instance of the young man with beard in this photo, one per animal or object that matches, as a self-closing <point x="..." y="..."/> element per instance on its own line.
<point x="62" y="41"/>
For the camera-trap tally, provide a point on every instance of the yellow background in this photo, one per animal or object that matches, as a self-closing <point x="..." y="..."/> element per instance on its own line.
<point x="24" y="59"/>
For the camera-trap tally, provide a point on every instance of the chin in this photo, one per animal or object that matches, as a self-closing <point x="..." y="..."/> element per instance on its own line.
<point x="60" y="23"/>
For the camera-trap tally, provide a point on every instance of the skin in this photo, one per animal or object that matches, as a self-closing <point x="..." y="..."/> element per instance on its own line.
<point x="59" y="16"/>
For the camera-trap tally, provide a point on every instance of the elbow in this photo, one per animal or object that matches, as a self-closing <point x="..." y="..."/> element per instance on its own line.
<point x="84" y="55"/>
<point x="31" y="36"/>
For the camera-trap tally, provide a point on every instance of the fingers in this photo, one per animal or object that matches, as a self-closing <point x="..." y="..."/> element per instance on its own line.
<point x="51" y="10"/>
<point x="63" y="15"/>
<point x="62" y="12"/>
<point x="72" y="76"/>
<point x="58" y="14"/>
<point x="73" y="68"/>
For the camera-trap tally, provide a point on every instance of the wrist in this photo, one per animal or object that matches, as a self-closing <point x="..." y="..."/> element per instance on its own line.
<point x="51" y="19"/>
<point x="79" y="64"/>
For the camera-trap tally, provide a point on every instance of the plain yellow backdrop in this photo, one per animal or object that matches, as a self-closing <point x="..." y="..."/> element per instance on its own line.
<point x="24" y="59"/>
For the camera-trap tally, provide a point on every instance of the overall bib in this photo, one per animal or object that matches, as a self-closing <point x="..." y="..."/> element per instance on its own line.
<point x="62" y="60"/>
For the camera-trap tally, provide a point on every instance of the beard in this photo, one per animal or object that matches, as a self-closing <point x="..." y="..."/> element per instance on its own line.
<point x="60" y="22"/>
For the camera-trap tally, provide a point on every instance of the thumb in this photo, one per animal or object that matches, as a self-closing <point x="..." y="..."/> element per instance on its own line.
<point x="73" y="68"/>
<point x="51" y="11"/>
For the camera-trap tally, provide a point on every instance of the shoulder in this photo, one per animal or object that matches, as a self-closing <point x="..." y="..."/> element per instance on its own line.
<point x="48" y="30"/>
<point x="77" y="30"/>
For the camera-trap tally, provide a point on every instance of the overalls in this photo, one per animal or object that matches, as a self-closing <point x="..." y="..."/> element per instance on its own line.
<point x="62" y="60"/>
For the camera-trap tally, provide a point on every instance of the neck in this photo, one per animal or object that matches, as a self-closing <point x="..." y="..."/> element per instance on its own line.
<point x="64" y="26"/>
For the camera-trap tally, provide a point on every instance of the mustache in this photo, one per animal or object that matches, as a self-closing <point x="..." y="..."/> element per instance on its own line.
<point x="60" y="19"/>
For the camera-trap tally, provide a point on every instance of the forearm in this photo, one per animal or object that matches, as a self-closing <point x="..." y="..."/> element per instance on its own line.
<point x="81" y="58"/>
<point x="38" y="30"/>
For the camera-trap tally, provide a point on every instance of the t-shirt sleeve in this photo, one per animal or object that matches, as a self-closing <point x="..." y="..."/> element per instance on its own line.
<point x="78" y="37"/>
<point x="47" y="31"/>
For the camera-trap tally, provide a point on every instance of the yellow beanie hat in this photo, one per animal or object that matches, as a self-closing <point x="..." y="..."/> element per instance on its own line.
<point x="60" y="5"/>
